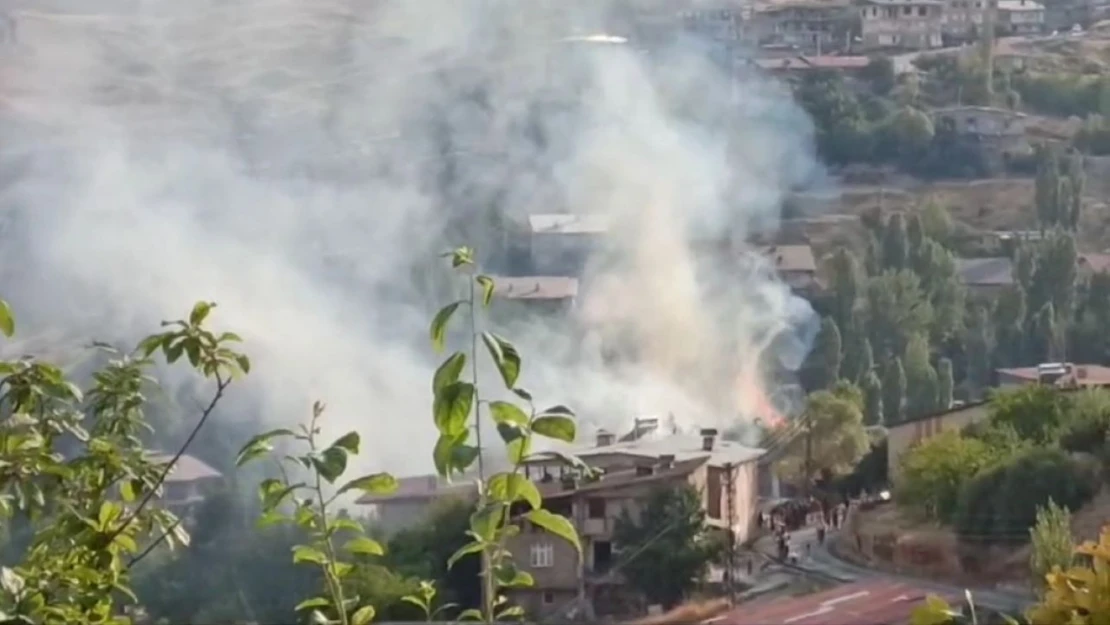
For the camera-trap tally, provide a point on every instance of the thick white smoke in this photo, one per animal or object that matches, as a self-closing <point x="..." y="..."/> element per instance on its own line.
<point x="301" y="163"/>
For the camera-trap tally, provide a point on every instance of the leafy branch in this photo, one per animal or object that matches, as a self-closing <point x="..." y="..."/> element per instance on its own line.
<point x="455" y="407"/>
<point x="81" y="505"/>
<point x="307" y="506"/>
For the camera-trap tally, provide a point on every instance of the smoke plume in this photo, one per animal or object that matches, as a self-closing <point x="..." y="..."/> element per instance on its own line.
<point x="302" y="164"/>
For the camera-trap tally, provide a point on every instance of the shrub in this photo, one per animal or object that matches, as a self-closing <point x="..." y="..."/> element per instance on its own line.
<point x="1000" y="503"/>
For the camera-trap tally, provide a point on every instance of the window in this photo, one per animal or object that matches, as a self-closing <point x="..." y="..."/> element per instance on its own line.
<point x="548" y="597"/>
<point x="542" y="556"/>
<point x="921" y="11"/>
<point x="595" y="508"/>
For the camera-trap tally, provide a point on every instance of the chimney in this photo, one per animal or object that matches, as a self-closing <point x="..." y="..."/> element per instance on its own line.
<point x="708" y="438"/>
<point x="604" y="438"/>
<point x="433" y="483"/>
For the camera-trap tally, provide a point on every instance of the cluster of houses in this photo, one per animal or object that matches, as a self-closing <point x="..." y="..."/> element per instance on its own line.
<point x="732" y="480"/>
<point x="839" y="27"/>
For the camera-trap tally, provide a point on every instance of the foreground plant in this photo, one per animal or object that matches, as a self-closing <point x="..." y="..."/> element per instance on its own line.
<point x="312" y="510"/>
<point x="76" y="476"/>
<point x="457" y="410"/>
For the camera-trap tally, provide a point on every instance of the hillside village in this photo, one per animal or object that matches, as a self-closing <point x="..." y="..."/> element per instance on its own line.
<point x="955" y="408"/>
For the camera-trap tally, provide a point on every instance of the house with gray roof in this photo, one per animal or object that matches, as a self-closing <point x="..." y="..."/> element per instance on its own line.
<point x="985" y="275"/>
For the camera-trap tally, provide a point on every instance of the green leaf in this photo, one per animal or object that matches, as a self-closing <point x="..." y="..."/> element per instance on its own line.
<point x="557" y="427"/>
<point x="259" y="445"/>
<point x="512" y="611"/>
<point x="7" y="320"/>
<point x="444" y="452"/>
<point x="462" y="552"/>
<point x="523" y="394"/>
<point x="416" y="601"/>
<point x="317" y="617"/>
<point x="451" y="407"/>
<point x="126" y="543"/>
<point x="511" y="487"/>
<point x="109" y="512"/>
<point x="375" y="484"/>
<point x="305" y="553"/>
<point x="462" y="456"/>
<point x="487" y="285"/>
<point x="244" y="362"/>
<point x="470" y="614"/>
<point x="559" y="410"/>
<point x="348" y="441"/>
<point x="331" y="464"/>
<point x="509" y="577"/>
<point x="363" y="615"/>
<point x="556" y="524"/>
<point x="517" y="444"/>
<point x="504" y="412"/>
<point x="271" y="517"/>
<point x="461" y="256"/>
<point x="505" y="356"/>
<point x="129" y="489"/>
<point x="364" y="546"/>
<point x="150" y="344"/>
<point x="438" y="329"/>
<point x="484" y="520"/>
<point x="448" y="372"/>
<point x="200" y="313"/>
<point x="315" y="602"/>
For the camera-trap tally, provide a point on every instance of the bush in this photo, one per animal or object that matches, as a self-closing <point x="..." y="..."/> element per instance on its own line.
<point x="935" y="471"/>
<point x="1000" y="503"/>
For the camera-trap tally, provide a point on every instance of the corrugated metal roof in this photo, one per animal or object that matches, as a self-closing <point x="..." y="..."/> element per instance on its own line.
<point x="682" y="446"/>
<point x="994" y="271"/>
<point x="566" y="223"/>
<point x="535" y="287"/>
<point x="790" y="257"/>
<point x="863" y="603"/>
<point x="187" y="469"/>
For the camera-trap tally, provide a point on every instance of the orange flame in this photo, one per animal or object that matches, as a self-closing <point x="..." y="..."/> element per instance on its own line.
<point x="753" y="400"/>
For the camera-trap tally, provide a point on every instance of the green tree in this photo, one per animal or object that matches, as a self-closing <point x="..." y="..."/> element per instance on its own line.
<point x="1054" y="275"/>
<point x="858" y="358"/>
<point x="1044" y="343"/>
<point x="894" y="393"/>
<point x="896" y="247"/>
<point x="1046" y="195"/>
<point x="419" y="552"/>
<point x="1036" y="412"/>
<point x="845" y="277"/>
<point x="873" y="399"/>
<point x="934" y="471"/>
<point x="75" y="474"/>
<point x="896" y="309"/>
<point x="1009" y="321"/>
<point x="823" y="367"/>
<point x="921" y="379"/>
<point x="977" y="341"/>
<point x="935" y="220"/>
<point x="832" y="439"/>
<point x="672" y="544"/>
<point x="1052" y="544"/>
<point x="1075" y="181"/>
<point x="945" y="384"/>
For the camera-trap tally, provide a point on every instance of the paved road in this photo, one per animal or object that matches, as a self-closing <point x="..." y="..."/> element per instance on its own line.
<point x="819" y="560"/>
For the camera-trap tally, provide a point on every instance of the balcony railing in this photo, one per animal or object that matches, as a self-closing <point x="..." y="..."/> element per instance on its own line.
<point x="597" y="527"/>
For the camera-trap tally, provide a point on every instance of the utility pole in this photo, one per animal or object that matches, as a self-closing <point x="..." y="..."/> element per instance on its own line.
<point x="730" y="561"/>
<point x="807" y="468"/>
